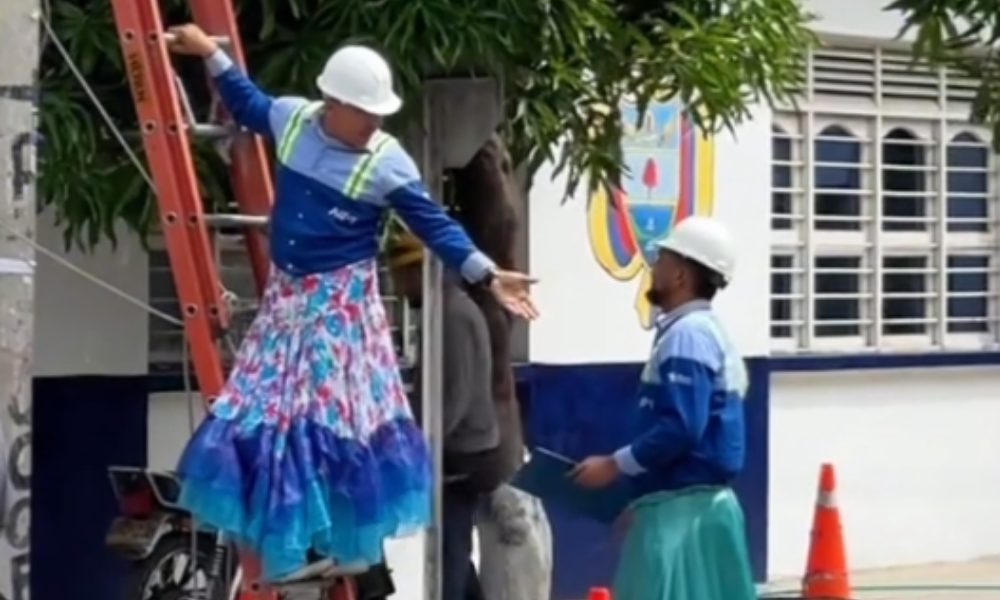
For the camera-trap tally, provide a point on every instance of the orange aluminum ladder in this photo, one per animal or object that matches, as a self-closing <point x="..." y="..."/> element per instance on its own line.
<point x="166" y="125"/>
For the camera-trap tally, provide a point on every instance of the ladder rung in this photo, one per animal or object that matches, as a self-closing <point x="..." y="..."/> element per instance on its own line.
<point x="211" y="131"/>
<point x="320" y="581"/>
<point x="218" y="39"/>
<point x="227" y="220"/>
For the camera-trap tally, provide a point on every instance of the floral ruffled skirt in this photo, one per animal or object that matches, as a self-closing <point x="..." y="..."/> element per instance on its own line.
<point x="311" y="445"/>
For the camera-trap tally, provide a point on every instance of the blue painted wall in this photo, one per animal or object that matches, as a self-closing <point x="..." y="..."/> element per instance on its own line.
<point x="84" y="424"/>
<point x="81" y="425"/>
<point x="580" y="410"/>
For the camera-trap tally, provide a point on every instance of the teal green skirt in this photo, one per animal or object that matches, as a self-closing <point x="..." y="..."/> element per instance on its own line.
<point x="685" y="545"/>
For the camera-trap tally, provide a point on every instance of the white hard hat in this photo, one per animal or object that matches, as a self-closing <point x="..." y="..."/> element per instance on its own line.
<point x="704" y="241"/>
<point x="359" y="76"/>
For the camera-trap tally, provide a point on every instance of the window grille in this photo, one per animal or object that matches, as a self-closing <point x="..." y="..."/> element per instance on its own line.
<point x="884" y="211"/>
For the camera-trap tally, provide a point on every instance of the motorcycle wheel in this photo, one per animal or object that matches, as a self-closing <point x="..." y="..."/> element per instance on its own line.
<point x="160" y="577"/>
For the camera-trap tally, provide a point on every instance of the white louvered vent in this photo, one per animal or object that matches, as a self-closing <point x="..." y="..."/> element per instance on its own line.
<point x="843" y="72"/>
<point x="878" y="74"/>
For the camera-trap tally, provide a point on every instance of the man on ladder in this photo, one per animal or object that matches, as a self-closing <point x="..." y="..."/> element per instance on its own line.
<point x="311" y="447"/>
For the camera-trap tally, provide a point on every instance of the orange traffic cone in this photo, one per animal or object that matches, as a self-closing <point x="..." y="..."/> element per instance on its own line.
<point x="826" y="570"/>
<point x="599" y="593"/>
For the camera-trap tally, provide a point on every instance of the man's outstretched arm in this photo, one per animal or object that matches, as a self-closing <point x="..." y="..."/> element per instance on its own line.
<point x="403" y="187"/>
<point x="249" y="106"/>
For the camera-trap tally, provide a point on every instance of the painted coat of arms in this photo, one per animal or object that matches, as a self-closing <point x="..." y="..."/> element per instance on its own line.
<point x="671" y="176"/>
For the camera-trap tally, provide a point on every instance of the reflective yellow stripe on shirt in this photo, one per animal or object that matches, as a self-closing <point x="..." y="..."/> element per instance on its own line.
<point x="294" y="129"/>
<point x="364" y="172"/>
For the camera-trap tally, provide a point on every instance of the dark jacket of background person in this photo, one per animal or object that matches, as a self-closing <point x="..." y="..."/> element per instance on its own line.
<point x="471" y="431"/>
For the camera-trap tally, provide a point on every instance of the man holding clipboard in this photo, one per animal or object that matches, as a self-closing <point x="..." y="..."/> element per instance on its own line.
<point x="686" y="538"/>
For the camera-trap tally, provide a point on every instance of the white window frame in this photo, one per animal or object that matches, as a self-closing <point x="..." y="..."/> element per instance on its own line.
<point x="870" y="90"/>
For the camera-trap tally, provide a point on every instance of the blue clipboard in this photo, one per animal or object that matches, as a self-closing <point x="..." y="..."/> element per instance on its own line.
<point x="545" y="476"/>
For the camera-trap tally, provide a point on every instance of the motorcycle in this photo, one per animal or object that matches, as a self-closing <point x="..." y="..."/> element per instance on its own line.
<point x="171" y="557"/>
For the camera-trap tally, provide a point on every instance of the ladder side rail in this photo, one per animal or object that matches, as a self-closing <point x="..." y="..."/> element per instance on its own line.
<point x="249" y="167"/>
<point x="191" y="208"/>
<point x="149" y="79"/>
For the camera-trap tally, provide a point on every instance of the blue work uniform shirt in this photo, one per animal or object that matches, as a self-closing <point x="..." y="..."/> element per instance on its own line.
<point x="689" y="427"/>
<point x="331" y="200"/>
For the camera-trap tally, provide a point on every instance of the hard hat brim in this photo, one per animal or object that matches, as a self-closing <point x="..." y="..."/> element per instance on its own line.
<point x="668" y="246"/>
<point x="389" y="107"/>
<point x="664" y="244"/>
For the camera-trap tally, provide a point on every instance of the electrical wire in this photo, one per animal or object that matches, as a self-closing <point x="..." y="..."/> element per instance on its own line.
<point x="50" y="37"/>
<point x="92" y="96"/>
<point x="83" y="273"/>
<point x="119" y="136"/>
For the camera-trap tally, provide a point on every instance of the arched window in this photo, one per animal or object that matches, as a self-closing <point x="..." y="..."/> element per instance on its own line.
<point x="904" y="182"/>
<point x="968" y="165"/>
<point x="837" y="173"/>
<point x="781" y="179"/>
<point x="895" y="240"/>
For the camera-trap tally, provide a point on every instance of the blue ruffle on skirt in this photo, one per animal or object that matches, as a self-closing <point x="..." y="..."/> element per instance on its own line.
<point x="335" y="495"/>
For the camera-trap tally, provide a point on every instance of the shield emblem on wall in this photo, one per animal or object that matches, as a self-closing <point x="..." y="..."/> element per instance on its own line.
<point x="670" y="177"/>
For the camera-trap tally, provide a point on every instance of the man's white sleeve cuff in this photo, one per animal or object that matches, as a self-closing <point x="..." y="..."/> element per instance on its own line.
<point x="476" y="267"/>
<point x="218" y="63"/>
<point x="627" y="463"/>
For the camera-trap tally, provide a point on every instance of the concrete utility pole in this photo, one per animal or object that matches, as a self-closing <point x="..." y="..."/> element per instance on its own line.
<point x="20" y="32"/>
<point x="459" y="116"/>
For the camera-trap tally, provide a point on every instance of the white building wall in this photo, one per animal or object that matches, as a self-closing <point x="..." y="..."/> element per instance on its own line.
<point x="588" y="317"/>
<point x="89" y="355"/>
<point x="172" y="418"/>
<point x="917" y="454"/>
<point x="80" y="327"/>
<point x="855" y="18"/>
<point x="917" y="451"/>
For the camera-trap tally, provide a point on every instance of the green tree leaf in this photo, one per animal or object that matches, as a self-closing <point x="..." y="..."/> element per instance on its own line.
<point x="962" y="38"/>
<point x="567" y="66"/>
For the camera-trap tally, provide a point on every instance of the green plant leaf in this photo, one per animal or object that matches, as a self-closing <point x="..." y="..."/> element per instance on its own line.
<point x="567" y="66"/>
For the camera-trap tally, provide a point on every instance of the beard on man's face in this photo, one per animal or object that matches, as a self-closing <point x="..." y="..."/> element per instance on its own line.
<point x="654" y="296"/>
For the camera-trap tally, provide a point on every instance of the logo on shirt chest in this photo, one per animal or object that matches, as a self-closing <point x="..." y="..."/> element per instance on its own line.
<point x="342" y="216"/>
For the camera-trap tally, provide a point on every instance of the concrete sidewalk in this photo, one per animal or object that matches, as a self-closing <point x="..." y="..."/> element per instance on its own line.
<point x="935" y="578"/>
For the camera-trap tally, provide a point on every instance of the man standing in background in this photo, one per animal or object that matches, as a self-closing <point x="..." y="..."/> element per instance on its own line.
<point x="515" y="539"/>
<point x="473" y="461"/>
